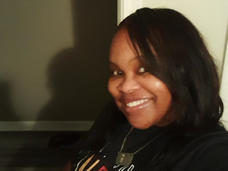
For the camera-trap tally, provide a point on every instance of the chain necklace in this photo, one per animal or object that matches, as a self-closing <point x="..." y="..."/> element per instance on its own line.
<point x="125" y="159"/>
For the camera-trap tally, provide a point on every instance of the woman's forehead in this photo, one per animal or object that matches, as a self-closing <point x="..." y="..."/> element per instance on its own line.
<point x="121" y="44"/>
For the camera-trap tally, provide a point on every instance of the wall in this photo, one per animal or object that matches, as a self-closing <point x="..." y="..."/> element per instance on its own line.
<point x="224" y="86"/>
<point x="54" y="57"/>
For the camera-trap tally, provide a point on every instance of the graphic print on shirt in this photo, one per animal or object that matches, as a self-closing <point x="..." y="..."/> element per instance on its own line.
<point x="97" y="163"/>
<point x="124" y="168"/>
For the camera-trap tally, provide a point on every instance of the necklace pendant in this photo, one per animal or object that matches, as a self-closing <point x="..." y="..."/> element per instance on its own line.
<point x="124" y="159"/>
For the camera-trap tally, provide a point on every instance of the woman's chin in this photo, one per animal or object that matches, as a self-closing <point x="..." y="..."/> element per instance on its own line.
<point x="139" y="125"/>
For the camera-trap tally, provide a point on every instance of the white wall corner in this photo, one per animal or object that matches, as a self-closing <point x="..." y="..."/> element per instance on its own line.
<point x="126" y="7"/>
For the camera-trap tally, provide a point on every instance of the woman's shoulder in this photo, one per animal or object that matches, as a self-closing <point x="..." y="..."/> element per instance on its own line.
<point x="208" y="151"/>
<point x="216" y="137"/>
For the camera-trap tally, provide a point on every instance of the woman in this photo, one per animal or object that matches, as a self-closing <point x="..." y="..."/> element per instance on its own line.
<point x="167" y="107"/>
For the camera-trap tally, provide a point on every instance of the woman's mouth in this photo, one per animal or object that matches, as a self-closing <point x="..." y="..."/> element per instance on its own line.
<point x="136" y="105"/>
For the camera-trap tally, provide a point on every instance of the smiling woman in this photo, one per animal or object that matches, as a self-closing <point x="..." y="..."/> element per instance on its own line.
<point x="166" y="109"/>
<point x="143" y="98"/>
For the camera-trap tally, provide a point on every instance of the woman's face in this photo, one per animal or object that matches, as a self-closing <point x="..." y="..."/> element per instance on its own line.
<point x="143" y="98"/>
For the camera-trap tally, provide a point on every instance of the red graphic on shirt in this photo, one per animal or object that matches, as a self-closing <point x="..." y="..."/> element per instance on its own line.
<point x="103" y="168"/>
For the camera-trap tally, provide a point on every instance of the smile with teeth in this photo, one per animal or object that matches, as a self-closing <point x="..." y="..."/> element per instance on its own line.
<point x="136" y="103"/>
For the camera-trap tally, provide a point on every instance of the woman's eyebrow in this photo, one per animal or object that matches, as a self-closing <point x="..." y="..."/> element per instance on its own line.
<point x="133" y="59"/>
<point x="112" y="64"/>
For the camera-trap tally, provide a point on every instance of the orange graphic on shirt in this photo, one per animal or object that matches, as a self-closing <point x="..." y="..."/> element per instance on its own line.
<point x="82" y="168"/>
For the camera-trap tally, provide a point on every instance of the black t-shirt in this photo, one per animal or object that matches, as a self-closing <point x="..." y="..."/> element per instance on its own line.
<point x="204" y="152"/>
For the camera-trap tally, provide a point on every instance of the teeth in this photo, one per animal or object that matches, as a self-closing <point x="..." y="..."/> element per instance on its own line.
<point x="136" y="103"/>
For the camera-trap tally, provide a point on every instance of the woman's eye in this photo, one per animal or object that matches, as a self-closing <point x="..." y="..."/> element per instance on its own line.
<point x="142" y="70"/>
<point x="116" y="73"/>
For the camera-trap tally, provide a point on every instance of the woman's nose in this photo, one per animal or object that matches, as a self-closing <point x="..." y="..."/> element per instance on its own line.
<point x="128" y="85"/>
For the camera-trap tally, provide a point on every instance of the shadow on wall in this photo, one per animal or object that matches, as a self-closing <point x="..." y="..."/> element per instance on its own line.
<point x="69" y="86"/>
<point x="77" y="76"/>
<point x="7" y="112"/>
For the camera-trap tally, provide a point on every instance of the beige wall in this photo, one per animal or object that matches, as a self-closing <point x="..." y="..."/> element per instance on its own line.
<point x="224" y="86"/>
